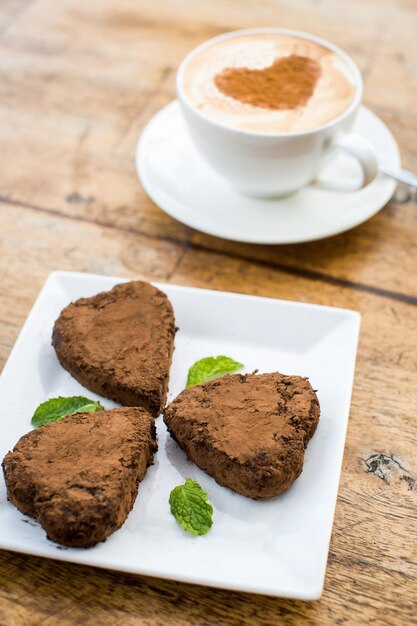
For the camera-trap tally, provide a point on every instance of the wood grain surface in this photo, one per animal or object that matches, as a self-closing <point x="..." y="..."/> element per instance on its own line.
<point x="78" y="82"/>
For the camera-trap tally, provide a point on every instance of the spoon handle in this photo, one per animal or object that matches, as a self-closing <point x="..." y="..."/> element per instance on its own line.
<point x="403" y="176"/>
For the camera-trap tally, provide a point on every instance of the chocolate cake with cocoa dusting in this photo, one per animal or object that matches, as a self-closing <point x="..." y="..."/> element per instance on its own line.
<point x="79" y="477"/>
<point x="247" y="431"/>
<point x="119" y="344"/>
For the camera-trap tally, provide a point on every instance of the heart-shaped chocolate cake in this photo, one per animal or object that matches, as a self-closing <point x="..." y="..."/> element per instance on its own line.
<point x="79" y="477"/>
<point x="119" y="344"/>
<point x="247" y="431"/>
<point x="286" y="84"/>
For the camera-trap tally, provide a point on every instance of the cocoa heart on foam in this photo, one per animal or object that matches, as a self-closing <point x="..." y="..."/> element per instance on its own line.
<point x="247" y="431"/>
<point x="119" y="344"/>
<point x="286" y="84"/>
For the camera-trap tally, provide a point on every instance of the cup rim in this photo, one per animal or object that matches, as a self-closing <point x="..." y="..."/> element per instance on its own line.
<point x="280" y="31"/>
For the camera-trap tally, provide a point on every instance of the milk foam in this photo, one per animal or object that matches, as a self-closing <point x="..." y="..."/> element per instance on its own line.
<point x="333" y="93"/>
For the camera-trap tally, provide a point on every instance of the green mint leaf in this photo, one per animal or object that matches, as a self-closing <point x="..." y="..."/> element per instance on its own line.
<point x="211" y="367"/>
<point x="55" y="409"/>
<point x="190" y="507"/>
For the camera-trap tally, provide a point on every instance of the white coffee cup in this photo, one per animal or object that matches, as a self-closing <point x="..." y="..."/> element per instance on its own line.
<point x="270" y="164"/>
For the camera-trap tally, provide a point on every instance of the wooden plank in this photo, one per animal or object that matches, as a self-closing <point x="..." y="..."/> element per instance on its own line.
<point x="11" y="11"/>
<point x="78" y="99"/>
<point x="66" y="594"/>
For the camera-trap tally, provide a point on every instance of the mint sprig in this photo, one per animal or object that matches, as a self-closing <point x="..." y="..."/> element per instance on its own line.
<point x="211" y="367"/>
<point x="55" y="409"/>
<point x="190" y="507"/>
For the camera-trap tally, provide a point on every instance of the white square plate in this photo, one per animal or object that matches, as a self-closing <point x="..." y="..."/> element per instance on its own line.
<point x="277" y="547"/>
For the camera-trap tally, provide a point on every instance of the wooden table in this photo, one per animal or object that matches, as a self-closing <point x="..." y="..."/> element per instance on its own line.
<point x="79" y="80"/>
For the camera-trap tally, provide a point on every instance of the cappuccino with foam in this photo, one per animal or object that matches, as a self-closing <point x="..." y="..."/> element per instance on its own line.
<point x="269" y="83"/>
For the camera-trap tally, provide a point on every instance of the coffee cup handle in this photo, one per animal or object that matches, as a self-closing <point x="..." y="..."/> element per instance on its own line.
<point x="357" y="147"/>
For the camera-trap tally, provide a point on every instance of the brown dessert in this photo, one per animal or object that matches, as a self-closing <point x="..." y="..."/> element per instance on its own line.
<point x="119" y="344"/>
<point x="79" y="477"/>
<point x="247" y="431"/>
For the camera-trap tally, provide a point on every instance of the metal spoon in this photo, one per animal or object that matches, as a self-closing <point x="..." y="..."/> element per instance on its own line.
<point x="403" y="176"/>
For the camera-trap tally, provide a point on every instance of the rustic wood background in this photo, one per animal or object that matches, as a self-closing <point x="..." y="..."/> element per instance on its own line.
<point x="79" y="79"/>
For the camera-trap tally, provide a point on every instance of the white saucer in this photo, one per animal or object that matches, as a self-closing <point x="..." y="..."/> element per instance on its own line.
<point x="184" y="186"/>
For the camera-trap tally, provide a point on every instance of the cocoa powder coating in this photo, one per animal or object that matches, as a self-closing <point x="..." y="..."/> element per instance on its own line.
<point x="287" y="84"/>
<point x="247" y="431"/>
<point x="119" y="344"/>
<point x="79" y="477"/>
